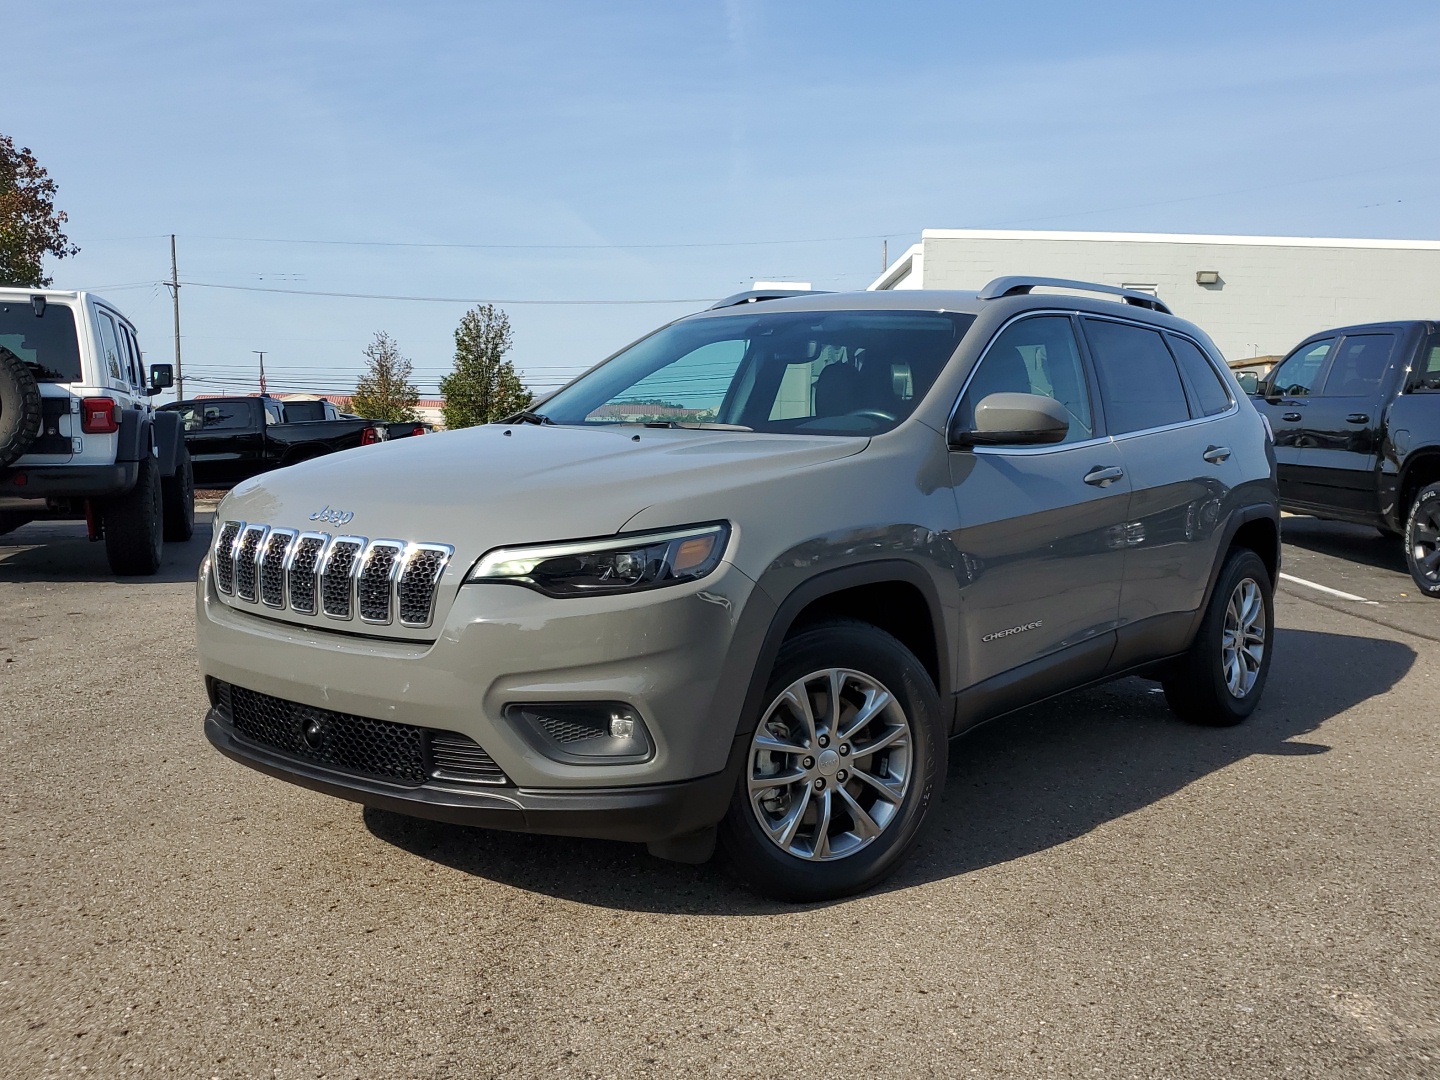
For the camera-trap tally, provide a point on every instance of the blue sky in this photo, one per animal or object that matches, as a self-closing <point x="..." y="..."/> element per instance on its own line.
<point x="671" y="152"/>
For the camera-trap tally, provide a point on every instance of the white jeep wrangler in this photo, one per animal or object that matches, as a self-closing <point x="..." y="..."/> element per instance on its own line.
<point x="78" y="435"/>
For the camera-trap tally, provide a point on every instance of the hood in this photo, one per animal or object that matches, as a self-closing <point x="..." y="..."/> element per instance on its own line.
<point x="494" y="485"/>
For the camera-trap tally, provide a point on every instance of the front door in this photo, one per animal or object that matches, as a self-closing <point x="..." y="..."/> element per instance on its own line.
<point x="1286" y="400"/>
<point x="1041" y="533"/>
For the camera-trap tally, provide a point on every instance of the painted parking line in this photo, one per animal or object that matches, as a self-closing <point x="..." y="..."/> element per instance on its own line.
<point x="1326" y="589"/>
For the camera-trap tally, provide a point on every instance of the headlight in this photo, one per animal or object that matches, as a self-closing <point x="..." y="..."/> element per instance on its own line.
<point x="604" y="567"/>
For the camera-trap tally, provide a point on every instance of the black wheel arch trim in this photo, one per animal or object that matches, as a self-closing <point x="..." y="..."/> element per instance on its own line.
<point x="168" y="440"/>
<point x="829" y="583"/>
<point x="1241" y="516"/>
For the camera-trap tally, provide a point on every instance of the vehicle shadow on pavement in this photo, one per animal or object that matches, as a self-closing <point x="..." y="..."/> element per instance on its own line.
<point x="1356" y="543"/>
<point x="1020" y="785"/>
<point x="60" y="551"/>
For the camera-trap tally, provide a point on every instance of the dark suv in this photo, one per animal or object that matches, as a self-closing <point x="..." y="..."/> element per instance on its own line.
<point x="746" y="577"/>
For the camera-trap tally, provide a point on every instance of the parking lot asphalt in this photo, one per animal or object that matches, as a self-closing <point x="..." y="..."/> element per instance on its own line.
<point x="1106" y="892"/>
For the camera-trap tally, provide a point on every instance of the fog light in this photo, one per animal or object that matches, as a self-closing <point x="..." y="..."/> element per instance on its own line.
<point x="621" y="726"/>
<point x="584" y="732"/>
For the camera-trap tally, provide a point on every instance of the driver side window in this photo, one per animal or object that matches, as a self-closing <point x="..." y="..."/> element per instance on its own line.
<point x="1300" y="371"/>
<point x="1035" y="356"/>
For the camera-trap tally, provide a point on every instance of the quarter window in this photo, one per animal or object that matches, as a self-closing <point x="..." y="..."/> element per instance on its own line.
<point x="1139" y="383"/>
<point x="1300" y="371"/>
<point x="1035" y="356"/>
<point x="1213" y="397"/>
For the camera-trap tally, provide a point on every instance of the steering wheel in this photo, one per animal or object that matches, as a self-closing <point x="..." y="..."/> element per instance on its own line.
<point x="874" y="414"/>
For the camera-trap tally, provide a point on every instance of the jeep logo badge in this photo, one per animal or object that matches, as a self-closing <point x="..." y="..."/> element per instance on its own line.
<point x="333" y="517"/>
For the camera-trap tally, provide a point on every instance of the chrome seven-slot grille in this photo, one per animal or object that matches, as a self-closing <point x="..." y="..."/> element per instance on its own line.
<point x="335" y="576"/>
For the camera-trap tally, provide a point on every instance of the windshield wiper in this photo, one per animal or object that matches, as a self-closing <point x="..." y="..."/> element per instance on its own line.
<point x="525" y="416"/>
<point x="696" y="426"/>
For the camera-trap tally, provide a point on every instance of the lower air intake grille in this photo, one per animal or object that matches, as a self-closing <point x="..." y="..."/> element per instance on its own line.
<point x="344" y="742"/>
<point x="455" y="757"/>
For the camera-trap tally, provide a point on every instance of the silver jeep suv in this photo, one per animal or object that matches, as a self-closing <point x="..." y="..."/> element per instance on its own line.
<point x="744" y="578"/>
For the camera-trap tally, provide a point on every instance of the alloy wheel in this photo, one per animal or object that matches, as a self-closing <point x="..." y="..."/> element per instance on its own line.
<point x="1242" y="643"/>
<point x="830" y="765"/>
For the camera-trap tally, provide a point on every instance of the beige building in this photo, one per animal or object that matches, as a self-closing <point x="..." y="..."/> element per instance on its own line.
<point x="1255" y="295"/>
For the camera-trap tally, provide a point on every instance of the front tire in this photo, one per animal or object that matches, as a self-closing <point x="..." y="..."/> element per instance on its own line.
<point x="133" y="525"/>
<point x="1220" y="679"/>
<point x="847" y="756"/>
<point x="1422" y="540"/>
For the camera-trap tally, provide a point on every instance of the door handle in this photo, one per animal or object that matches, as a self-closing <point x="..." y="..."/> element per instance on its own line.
<point x="1290" y="417"/>
<point x="1104" y="476"/>
<point x="1357" y="418"/>
<point x="1216" y="454"/>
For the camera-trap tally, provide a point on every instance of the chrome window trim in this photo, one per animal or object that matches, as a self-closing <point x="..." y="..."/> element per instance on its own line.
<point x="363" y="562"/>
<point x="324" y="568"/>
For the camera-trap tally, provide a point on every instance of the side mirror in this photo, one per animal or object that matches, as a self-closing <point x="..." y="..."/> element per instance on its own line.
<point x="162" y="376"/>
<point x="1009" y="419"/>
<point x="1249" y="382"/>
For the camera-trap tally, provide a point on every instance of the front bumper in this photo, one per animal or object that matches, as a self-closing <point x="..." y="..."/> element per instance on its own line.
<point x="639" y="814"/>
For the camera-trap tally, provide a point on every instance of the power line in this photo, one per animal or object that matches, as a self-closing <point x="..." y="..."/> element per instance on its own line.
<point x="440" y="299"/>
<point x="549" y="247"/>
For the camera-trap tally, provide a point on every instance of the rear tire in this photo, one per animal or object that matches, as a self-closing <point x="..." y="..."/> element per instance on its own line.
<point x="134" y="530"/>
<point x="178" y="494"/>
<point x="838" y="811"/>
<point x="19" y="407"/>
<point x="1218" y="682"/>
<point x="1422" y="540"/>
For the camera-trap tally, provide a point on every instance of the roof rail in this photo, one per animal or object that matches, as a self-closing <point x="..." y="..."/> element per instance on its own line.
<point x="1017" y="286"/>
<point x="754" y="296"/>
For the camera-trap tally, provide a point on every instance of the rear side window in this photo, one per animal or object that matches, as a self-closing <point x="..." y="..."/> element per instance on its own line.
<point x="1211" y="393"/>
<point x="109" y="345"/>
<point x="47" y="342"/>
<point x="1359" y="365"/>
<point x="1139" y="383"/>
<point x="223" y="415"/>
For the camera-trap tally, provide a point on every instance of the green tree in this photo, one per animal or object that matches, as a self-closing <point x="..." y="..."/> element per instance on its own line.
<point x="29" y="222"/>
<point x="385" y="391"/>
<point x="483" y="388"/>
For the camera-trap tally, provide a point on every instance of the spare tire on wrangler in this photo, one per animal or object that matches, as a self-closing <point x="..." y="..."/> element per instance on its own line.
<point x="19" y="407"/>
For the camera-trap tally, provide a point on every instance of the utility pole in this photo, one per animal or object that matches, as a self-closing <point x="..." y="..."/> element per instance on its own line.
<point x="884" y="255"/>
<point x="261" y="354"/>
<point x="174" y="284"/>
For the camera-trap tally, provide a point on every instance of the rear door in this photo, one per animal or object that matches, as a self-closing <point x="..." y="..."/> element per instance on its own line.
<point x="1167" y="409"/>
<point x="1341" y="426"/>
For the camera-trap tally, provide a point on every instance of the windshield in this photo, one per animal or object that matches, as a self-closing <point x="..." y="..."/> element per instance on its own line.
<point x="46" y="342"/>
<point x="810" y="372"/>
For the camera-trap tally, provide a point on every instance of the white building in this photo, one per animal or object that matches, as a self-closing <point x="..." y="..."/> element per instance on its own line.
<point x="1255" y="295"/>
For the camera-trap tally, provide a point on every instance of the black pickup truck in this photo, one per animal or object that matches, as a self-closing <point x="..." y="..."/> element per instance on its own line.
<point x="234" y="438"/>
<point x="1356" y="416"/>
